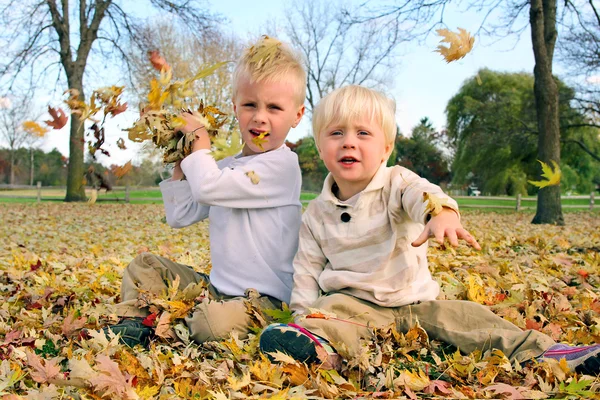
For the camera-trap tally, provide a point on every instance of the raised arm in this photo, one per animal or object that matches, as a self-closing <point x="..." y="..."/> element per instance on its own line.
<point x="264" y="181"/>
<point x="180" y="208"/>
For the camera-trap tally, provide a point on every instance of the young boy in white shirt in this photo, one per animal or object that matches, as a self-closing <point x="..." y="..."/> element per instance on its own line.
<point x="362" y="254"/>
<point x="253" y="224"/>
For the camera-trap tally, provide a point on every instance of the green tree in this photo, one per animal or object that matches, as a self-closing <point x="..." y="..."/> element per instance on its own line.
<point x="492" y="124"/>
<point x="420" y="153"/>
<point x="312" y="167"/>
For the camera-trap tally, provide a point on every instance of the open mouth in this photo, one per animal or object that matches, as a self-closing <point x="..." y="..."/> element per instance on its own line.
<point x="348" y="160"/>
<point x="262" y="134"/>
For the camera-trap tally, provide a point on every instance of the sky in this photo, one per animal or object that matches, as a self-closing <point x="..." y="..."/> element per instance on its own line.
<point x="422" y="81"/>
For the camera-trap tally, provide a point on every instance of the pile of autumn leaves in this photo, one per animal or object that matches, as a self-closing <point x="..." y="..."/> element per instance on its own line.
<point x="67" y="275"/>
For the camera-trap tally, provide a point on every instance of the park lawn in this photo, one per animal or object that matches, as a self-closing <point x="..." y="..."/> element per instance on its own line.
<point x="61" y="267"/>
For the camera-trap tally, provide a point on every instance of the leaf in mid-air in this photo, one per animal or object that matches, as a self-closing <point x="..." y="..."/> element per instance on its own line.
<point x="552" y="175"/>
<point x="59" y="118"/>
<point x="158" y="62"/>
<point x="461" y="44"/>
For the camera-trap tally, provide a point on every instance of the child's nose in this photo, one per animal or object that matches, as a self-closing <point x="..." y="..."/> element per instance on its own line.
<point x="348" y="142"/>
<point x="259" y="116"/>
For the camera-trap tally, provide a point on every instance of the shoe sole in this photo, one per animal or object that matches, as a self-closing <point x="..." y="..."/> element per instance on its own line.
<point x="296" y="345"/>
<point x="591" y="366"/>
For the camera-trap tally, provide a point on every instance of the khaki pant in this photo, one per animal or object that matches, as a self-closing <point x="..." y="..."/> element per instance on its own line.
<point x="209" y="319"/>
<point x="466" y="325"/>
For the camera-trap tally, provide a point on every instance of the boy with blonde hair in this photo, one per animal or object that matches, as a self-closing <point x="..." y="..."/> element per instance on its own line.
<point x="362" y="251"/>
<point x="253" y="225"/>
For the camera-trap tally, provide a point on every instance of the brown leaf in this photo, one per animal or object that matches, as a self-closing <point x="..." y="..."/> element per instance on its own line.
<point x="59" y="118"/>
<point x="71" y="324"/>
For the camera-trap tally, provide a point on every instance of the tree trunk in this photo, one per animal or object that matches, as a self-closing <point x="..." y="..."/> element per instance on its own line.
<point x="75" y="172"/>
<point x="542" y="18"/>
<point x="12" y="167"/>
<point x="31" y="166"/>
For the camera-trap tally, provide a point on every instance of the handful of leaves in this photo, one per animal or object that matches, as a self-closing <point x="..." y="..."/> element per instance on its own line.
<point x="160" y="119"/>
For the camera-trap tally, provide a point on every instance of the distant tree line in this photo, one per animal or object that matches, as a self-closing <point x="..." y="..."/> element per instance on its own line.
<point x="50" y="168"/>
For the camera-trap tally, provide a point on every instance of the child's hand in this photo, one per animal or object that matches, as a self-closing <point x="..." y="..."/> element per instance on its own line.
<point x="192" y="124"/>
<point x="446" y="224"/>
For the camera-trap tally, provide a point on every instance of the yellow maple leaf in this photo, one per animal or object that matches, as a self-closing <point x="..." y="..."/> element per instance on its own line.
<point x="35" y="129"/>
<point x="435" y="204"/>
<point x="413" y="380"/>
<point x="224" y="146"/>
<point x="476" y="291"/>
<point x="259" y="140"/>
<point x="460" y="44"/>
<point x="552" y="175"/>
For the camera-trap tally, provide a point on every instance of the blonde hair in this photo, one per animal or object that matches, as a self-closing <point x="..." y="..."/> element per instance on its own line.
<point x="269" y="60"/>
<point x="351" y="103"/>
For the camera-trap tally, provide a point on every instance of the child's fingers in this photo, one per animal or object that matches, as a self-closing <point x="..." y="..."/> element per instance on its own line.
<point x="451" y="234"/>
<point x="422" y="238"/>
<point x="466" y="236"/>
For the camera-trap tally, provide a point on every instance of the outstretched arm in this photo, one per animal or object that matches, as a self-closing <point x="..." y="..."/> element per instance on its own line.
<point x="446" y="224"/>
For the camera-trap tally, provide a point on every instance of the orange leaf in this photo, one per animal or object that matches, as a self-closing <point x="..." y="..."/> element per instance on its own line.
<point x="158" y="61"/>
<point x="59" y="118"/>
<point x="119" y="172"/>
<point x="318" y="315"/>
<point x="533" y="324"/>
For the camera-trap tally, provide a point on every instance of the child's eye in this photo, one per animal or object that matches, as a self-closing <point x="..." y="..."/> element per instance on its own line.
<point x="363" y="133"/>
<point x="274" y="107"/>
<point x="249" y="105"/>
<point x="335" y="133"/>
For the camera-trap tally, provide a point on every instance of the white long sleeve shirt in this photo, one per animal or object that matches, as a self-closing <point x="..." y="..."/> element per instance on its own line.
<point x="253" y="227"/>
<point x="364" y="249"/>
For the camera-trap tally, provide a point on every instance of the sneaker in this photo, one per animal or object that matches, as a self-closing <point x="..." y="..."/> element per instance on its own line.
<point x="299" y="344"/>
<point x="132" y="331"/>
<point x="581" y="359"/>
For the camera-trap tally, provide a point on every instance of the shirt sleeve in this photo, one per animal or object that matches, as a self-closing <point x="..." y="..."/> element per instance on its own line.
<point x="180" y="208"/>
<point x="412" y="189"/>
<point x="308" y="265"/>
<point x="263" y="182"/>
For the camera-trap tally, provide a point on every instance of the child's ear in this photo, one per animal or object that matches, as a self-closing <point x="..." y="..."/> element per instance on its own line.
<point x="234" y="107"/>
<point x="299" y="115"/>
<point x="389" y="148"/>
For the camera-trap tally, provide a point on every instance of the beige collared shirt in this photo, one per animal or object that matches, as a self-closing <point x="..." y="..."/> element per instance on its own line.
<point x="364" y="249"/>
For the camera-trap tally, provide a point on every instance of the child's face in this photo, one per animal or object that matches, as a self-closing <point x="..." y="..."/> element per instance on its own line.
<point x="353" y="151"/>
<point x="266" y="107"/>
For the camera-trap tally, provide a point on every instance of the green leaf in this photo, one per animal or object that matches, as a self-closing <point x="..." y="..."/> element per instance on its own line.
<point x="283" y="316"/>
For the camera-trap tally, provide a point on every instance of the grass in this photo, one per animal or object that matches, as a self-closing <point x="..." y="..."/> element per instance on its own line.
<point x="141" y="196"/>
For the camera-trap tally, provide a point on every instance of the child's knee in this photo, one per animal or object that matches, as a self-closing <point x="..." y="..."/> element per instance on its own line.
<point x="216" y="320"/>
